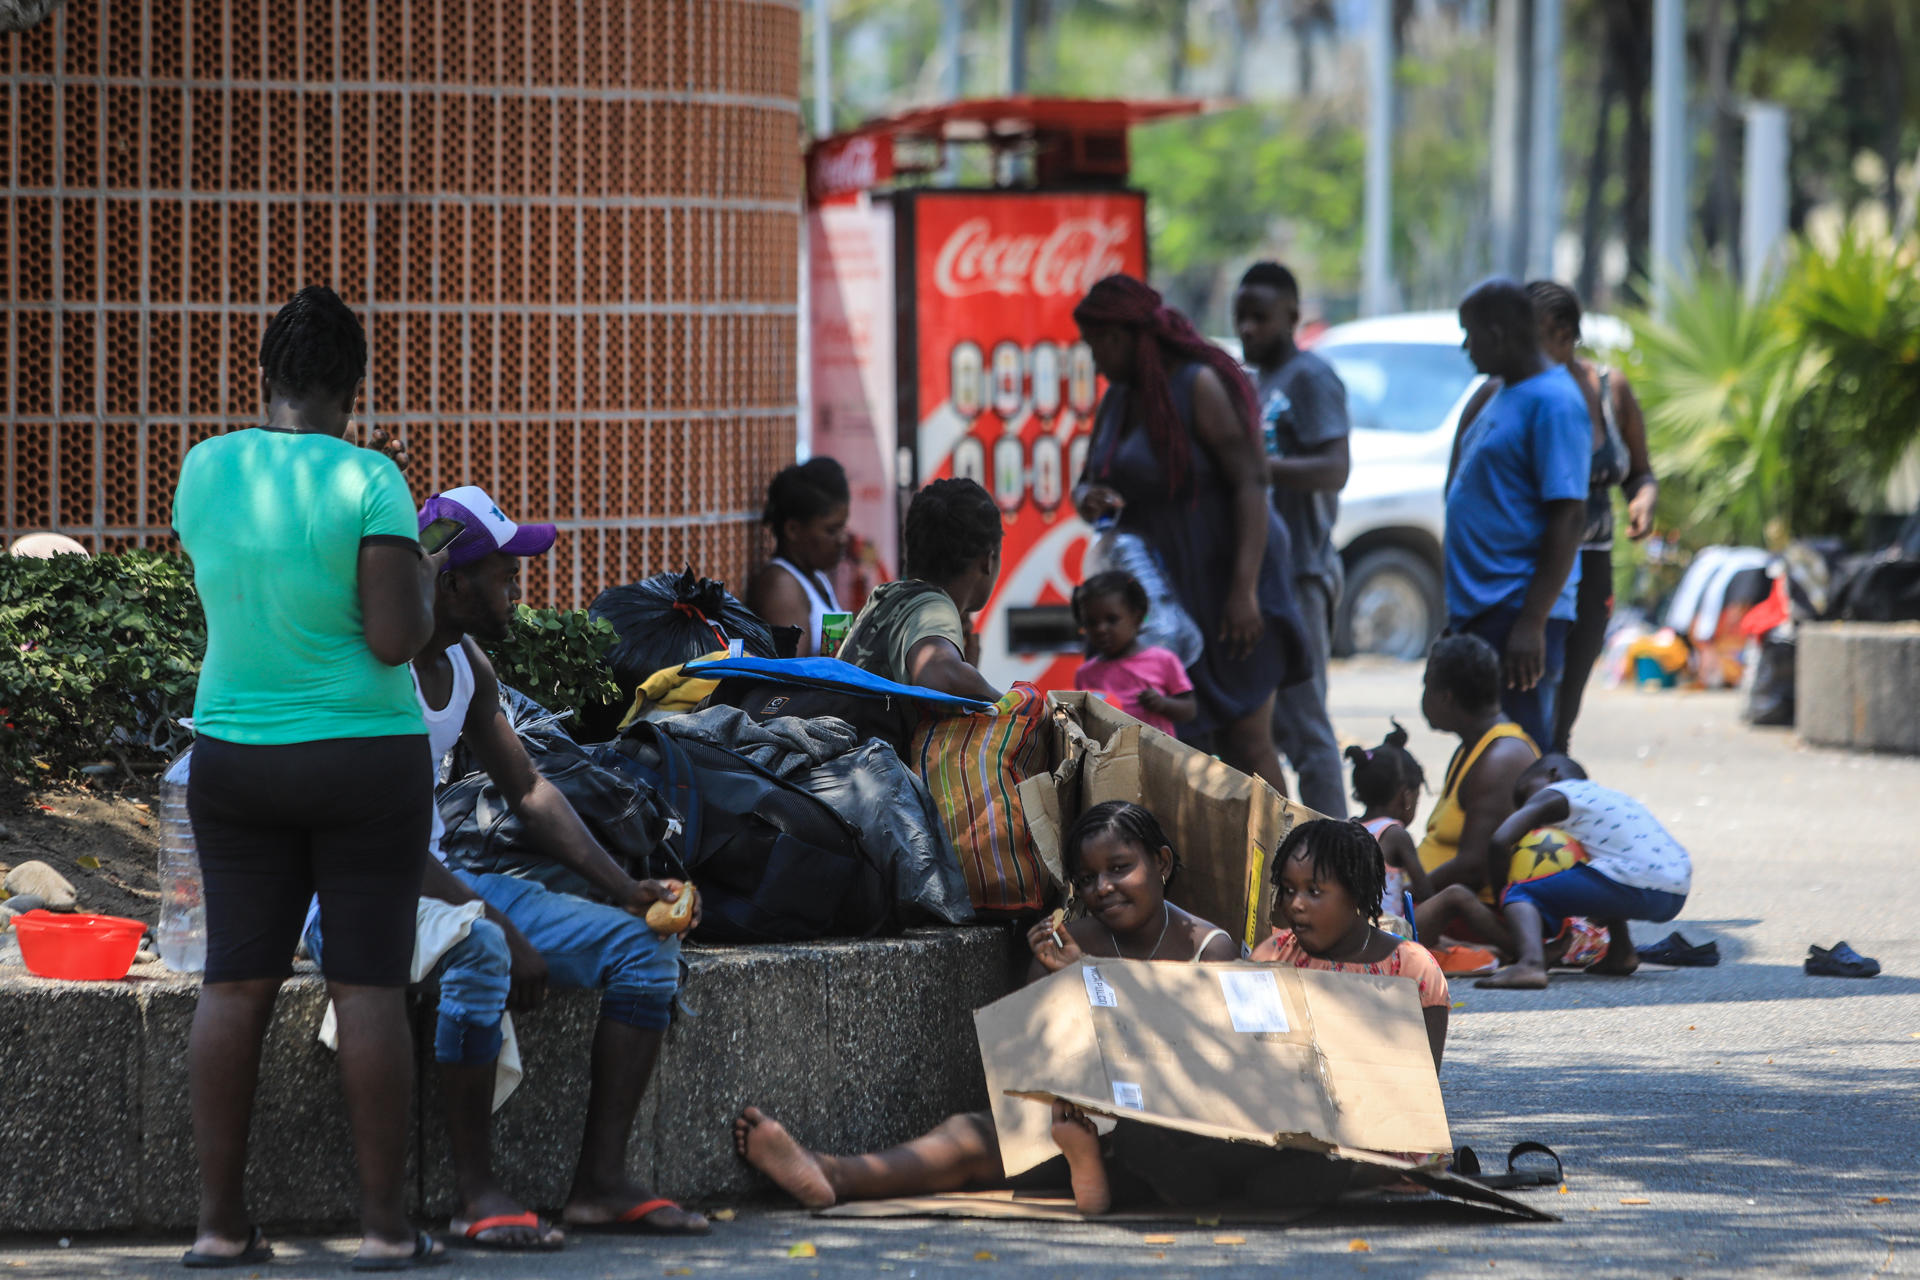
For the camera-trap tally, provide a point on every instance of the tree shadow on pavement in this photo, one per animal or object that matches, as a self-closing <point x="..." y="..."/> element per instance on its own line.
<point x="1726" y="984"/>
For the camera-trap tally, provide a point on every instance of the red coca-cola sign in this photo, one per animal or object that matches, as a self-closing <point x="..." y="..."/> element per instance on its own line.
<point x="982" y="255"/>
<point x="1005" y="389"/>
<point x="840" y="168"/>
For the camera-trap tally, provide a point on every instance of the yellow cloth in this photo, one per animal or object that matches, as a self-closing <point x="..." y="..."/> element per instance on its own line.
<point x="670" y="691"/>
<point x="1448" y="819"/>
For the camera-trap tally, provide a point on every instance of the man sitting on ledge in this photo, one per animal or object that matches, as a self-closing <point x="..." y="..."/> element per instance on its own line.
<point x="532" y="935"/>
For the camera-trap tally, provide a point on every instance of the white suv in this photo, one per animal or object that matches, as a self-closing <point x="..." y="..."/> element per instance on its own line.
<point x="1407" y="380"/>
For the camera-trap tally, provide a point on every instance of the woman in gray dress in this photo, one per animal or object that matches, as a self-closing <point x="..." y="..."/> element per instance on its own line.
<point x="1176" y="457"/>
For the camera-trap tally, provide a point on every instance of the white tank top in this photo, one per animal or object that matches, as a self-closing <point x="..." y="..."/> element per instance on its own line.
<point x="819" y="605"/>
<point x="443" y="730"/>
<point x="444" y="726"/>
<point x="1394" y="890"/>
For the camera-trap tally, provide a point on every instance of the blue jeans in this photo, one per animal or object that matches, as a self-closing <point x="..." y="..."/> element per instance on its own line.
<point x="1531" y="709"/>
<point x="590" y="944"/>
<point x="1582" y="891"/>
<point x="473" y="993"/>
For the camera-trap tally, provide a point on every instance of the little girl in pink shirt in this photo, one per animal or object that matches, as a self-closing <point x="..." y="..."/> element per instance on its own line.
<point x="1145" y="681"/>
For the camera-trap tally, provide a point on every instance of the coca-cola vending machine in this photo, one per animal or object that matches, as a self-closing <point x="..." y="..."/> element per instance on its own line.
<point x="942" y="342"/>
<point x="996" y="386"/>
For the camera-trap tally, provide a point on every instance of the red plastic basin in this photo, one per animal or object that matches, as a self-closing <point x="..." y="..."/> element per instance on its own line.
<point x="77" y="947"/>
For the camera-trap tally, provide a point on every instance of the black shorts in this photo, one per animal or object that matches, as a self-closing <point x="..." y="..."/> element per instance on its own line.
<point x="346" y="818"/>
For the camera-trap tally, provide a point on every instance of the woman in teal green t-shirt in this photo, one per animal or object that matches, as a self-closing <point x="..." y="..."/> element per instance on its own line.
<point x="311" y="772"/>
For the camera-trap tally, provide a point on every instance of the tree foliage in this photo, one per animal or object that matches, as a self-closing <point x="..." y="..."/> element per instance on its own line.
<point x="1846" y="71"/>
<point x="1785" y="414"/>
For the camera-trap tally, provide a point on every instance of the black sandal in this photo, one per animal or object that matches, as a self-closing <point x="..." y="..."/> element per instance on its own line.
<point x="425" y="1254"/>
<point x="1676" y="950"/>
<point x="258" y="1251"/>
<point x="1467" y="1164"/>
<point x="1841" y="962"/>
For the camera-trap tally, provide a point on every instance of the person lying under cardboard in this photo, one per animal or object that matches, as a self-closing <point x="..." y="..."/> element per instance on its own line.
<point x="1321" y="1051"/>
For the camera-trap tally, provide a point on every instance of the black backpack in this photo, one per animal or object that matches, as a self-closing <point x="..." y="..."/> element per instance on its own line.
<point x="773" y="864"/>
<point x="483" y="835"/>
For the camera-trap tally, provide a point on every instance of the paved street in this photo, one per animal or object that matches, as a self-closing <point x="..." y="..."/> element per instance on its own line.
<point x="1760" y="1113"/>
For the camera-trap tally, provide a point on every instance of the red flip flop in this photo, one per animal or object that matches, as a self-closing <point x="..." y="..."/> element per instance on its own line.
<point x="481" y="1226"/>
<point x="634" y="1220"/>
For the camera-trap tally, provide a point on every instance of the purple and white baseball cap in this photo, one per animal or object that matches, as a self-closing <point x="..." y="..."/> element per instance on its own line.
<point x="488" y="529"/>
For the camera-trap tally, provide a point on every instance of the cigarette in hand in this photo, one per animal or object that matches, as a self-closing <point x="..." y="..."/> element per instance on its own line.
<point x="1053" y="927"/>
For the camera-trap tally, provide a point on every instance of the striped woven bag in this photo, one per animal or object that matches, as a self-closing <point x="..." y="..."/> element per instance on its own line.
<point x="973" y="764"/>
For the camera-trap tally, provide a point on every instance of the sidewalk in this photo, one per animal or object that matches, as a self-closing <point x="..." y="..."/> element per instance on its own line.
<point x="1759" y="1112"/>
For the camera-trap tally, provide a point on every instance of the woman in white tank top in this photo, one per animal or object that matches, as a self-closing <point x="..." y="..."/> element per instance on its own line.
<point x="807" y="514"/>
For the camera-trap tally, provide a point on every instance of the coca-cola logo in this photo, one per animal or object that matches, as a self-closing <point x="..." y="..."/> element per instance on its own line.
<point x="1065" y="261"/>
<point x="855" y="165"/>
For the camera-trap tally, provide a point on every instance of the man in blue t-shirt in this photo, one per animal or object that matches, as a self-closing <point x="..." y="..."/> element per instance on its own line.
<point x="1516" y="503"/>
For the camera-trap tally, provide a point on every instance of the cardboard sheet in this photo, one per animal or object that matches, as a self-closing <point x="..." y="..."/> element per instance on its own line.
<point x="1159" y="1043"/>
<point x="1019" y="1207"/>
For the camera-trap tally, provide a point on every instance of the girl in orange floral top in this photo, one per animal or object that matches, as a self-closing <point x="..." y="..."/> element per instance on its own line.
<point x="1328" y="876"/>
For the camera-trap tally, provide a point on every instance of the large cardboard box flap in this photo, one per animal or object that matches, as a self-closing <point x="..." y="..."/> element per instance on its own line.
<point x="1240" y="1052"/>
<point x="1224" y="824"/>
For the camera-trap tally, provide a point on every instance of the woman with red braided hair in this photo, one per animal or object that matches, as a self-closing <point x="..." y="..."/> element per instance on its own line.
<point x="1176" y="456"/>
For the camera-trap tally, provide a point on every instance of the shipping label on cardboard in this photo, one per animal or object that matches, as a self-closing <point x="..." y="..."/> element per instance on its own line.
<point x="1099" y="990"/>
<point x="1129" y="1096"/>
<point x="1253" y="1001"/>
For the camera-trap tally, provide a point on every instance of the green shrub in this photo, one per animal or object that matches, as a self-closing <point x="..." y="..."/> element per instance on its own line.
<point x="1783" y="415"/>
<point x="98" y="657"/>
<point x="1721" y="378"/>
<point x="558" y="657"/>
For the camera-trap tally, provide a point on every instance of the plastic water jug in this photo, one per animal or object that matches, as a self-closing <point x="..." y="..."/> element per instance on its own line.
<point x="1167" y="624"/>
<point x="182" y="936"/>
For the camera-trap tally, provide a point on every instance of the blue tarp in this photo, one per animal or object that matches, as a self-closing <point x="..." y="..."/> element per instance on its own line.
<point x="827" y="673"/>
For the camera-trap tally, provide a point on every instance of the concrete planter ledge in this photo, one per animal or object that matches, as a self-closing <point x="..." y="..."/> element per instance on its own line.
<point x="1857" y="684"/>
<point x="854" y="1045"/>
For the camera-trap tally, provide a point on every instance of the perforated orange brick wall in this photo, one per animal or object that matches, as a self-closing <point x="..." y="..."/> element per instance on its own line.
<point x="571" y="230"/>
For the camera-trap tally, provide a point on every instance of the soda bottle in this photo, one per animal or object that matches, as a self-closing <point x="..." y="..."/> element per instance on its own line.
<point x="1276" y="408"/>
<point x="182" y="936"/>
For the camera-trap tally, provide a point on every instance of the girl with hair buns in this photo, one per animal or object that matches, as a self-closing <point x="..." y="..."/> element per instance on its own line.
<point x="807" y="514"/>
<point x="1177" y="458"/>
<point x="1387" y="780"/>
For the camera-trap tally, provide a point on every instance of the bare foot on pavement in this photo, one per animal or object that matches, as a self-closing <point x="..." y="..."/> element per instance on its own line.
<point x="1517" y="977"/>
<point x="1087" y="1169"/>
<point x="765" y="1144"/>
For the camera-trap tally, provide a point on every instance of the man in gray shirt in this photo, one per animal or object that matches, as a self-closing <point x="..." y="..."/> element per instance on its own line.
<point x="1303" y="409"/>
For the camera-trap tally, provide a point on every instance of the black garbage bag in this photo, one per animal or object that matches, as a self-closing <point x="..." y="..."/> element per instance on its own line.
<point x="773" y="863"/>
<point x="890" y="806"/>
<point x="484" y="836"/>
<point x="672" y="618"/>
<point x="1770" y="700"/>
<point x="1885" y="589"/>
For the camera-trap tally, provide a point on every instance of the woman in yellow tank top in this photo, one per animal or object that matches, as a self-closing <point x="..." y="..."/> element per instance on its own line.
<point x="1462" y="697"/>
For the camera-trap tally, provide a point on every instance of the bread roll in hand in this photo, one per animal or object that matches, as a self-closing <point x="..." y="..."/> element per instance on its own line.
<point x="676" y="916"/>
